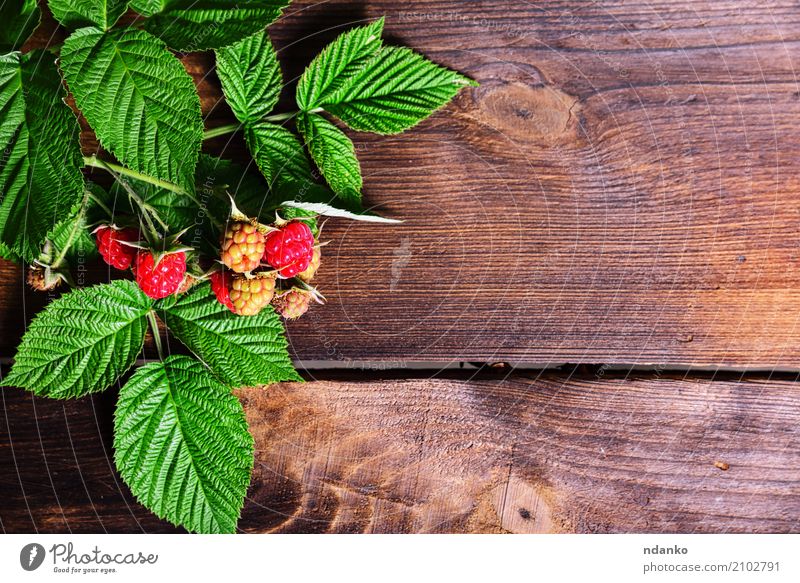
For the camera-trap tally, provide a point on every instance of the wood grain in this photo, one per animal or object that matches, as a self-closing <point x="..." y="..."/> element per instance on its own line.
<point x="488" y="453"/>
<point x="621" y="188"/>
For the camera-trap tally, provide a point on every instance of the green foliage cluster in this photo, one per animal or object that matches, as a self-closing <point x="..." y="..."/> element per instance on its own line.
<point x="181" y="441"/>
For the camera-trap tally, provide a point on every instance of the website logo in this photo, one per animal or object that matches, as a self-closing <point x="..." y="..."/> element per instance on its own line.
<point x="31" y="556"/>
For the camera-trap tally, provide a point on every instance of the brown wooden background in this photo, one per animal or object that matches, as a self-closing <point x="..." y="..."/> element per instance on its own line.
<point x="622" y="189"/>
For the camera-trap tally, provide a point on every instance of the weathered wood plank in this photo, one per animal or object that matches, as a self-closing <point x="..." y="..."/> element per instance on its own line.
<point x="621" y="188"/>
<point x="537" y="453"/>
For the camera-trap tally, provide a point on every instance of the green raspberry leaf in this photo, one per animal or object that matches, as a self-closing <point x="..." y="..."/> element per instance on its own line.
<point x="250" y="76"/>
<point x="337" y="63"/>
<point x="19" y="18"/>
<point x="9" y="255"/>
<point x="394" y="91"/>
<point x="223" y="177"/>
<point x="240" y="350"/>
<point x="82" y="342"/>
<point x="306" y="192"/>
<point x="278" y="153"/>
<point x="321" y="208"/>
<point x="189" y="25"/>
<point x="182" y="445"/>
<point x="251" y="80"/>
<point x="334" y="154"/>
<point x="40" y="176"/>
<point x="139" y="100"/>
<point x="77" y="13"/>
<point x="74" y="232"/>
<point x="73" y="238"/>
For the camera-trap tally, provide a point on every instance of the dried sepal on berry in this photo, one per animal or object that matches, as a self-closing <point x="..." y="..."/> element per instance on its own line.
<point x="43" y="278"/>
<point x="188" y="282"/>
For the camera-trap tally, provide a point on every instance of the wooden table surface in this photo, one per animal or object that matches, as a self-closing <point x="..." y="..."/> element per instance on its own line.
<point x="622" y="189"/>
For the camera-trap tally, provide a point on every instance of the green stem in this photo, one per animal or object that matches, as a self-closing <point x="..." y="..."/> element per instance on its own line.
<point x="221" y="131"/>
<point x="99" y="203"/>
<point x="146" y="209"/>
<point x="281" y="116"/>
<point x="96" y="162"/>
<point x="151" y="317"/>
<point x="230" y="128"/>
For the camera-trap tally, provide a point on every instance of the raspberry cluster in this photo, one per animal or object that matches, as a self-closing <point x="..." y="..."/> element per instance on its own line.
<point x="259" y="267"/>
<point x="158" y="274"/>
<point x="261" y="264"/>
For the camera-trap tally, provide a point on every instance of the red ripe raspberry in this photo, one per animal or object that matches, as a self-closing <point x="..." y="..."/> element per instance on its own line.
<point x="250" y="296"/>
<point x="290" y="249"/>
<point x="159" y="281"/>
<point x="242" y="247"/>
<point x="292" y="304"/>
<point x="115" y="253"/>
<point x="312" y="268"/>
<point x="221" y="286"/>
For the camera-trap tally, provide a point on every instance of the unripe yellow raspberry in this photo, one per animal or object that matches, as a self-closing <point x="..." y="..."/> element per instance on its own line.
<point x="242" y="247"/>
<point x="293" y="303"/>
<point x="250" y="296"/>
<point x="312" y="268"/>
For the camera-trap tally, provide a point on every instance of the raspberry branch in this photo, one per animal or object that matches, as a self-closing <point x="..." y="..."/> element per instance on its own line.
<point x="95" y="162"/>
<point x="116" y="171"/>
<point x="173" y="233"/>
<point x="99" y="203"/>
<point x="233" y="127"/>
<point x="148" y="212"/>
